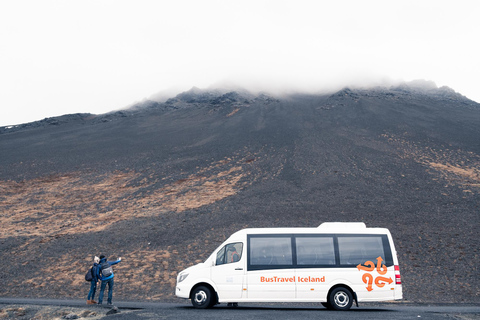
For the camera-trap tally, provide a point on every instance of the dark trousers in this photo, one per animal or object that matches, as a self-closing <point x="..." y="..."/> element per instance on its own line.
<point x="110" y="290"/>
<point x="93" y="289"/>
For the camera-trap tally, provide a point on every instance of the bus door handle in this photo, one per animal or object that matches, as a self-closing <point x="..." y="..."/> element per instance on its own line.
<point x="238" y="268"/>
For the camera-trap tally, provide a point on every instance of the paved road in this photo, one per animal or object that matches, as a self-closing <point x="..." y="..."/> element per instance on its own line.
<point x="151" y="310"/>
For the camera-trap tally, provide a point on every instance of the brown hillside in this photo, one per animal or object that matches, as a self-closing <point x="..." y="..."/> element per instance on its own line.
<point x="163" y="184"/>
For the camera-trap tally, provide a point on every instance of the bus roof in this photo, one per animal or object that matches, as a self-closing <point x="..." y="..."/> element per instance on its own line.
<point x="326" y="227"/>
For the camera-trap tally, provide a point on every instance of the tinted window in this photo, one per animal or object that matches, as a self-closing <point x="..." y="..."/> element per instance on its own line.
<point x="230" y="253"/>
<point x="270" y="251"/>
<point x="315" y="251"/>
<point x="357" y="250"/>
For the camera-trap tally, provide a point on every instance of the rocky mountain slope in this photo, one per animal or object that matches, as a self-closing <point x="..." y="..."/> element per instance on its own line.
<point x="163" y="184"/>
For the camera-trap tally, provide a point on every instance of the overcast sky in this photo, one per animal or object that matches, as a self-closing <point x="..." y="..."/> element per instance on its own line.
<point x="59" y="57"/>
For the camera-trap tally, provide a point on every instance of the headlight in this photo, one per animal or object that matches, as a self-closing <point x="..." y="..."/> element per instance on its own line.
<point x="182" y="277"/>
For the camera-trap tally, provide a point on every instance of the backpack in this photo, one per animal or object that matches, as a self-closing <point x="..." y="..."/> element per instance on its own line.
<point x="106" y="269"/>
<point x="89" y="275"/>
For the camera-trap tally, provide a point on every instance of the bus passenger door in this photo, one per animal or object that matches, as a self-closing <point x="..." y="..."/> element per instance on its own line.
<point x="315" y="266"/>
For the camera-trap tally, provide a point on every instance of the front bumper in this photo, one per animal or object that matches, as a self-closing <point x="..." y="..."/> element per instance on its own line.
<point x="182" y="291"/>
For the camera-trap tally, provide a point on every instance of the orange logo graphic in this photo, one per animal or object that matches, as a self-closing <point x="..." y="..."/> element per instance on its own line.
<point x="368" y="278"/>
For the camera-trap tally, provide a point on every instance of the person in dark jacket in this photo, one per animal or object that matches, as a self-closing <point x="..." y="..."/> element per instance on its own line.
<point x="105" y="273"/>
<point x="93" y="282"/>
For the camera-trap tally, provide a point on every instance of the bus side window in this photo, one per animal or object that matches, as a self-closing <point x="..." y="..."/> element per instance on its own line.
<point x="267" y="251"/>
<point x="230" y="253"/>
<point x="315" y="250"/>
<point x="356" y="250"/>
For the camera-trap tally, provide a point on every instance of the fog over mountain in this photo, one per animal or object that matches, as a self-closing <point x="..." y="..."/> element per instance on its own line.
<point x="165" y="181"/>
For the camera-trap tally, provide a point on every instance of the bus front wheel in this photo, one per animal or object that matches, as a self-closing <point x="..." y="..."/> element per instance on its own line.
<point x="202" y="297"/>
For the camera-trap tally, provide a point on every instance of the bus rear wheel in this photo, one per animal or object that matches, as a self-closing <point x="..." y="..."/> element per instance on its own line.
<point x="340" y="299"/>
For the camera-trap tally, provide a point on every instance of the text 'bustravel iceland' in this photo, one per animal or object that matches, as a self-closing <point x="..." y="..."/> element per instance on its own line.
<point x="292" y="279"/>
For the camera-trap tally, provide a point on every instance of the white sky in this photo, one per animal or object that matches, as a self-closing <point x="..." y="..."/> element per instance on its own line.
<point x="59" y="57"/>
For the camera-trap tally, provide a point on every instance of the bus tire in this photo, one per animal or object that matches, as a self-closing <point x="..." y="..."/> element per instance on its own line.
<point x="202" y="297"/>
<point x="340" y="298"/>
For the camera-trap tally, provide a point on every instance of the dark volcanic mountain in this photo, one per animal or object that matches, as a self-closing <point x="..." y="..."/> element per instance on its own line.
<point x="163" y="184"/>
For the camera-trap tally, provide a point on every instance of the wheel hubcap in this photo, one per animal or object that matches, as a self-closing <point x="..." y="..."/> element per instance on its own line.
<point x="200" y="297"/>
<point x="341" y="299"/>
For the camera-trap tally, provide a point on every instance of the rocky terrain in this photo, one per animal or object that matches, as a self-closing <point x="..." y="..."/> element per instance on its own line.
<point x="163" y="184"/>
<point x="36" y="312"/>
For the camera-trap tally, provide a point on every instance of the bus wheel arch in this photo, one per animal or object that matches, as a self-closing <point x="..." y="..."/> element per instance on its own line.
<point x="203" y="296"/>
<point x="340" y="297"/>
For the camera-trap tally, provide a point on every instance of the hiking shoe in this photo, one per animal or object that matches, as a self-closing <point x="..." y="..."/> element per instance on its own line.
<point x="91" y="302"/>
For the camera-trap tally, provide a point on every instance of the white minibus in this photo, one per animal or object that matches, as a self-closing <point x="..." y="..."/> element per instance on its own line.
<point x="334" y="264"/>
